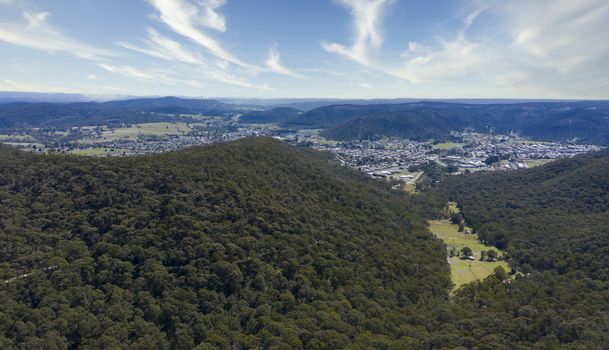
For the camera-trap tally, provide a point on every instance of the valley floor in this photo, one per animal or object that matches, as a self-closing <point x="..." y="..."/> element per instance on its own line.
<point x="464" y="270"/>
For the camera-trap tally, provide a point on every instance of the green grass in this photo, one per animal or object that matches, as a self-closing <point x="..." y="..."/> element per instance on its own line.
<point x="464" y="271"/>
<point x="537" y="162"/>
<point x="99" y="151"/>
<point x="137" y="130"/>
<point x="448" y="145"/>
<point x="148" y="129"/>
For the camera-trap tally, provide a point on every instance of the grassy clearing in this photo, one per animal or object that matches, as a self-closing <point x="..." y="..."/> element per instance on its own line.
<point x="99" y="151"/>
<point x="148" y="129"/>
<point x="15" y="137"/>
<point x="537" y="162"/>
<point x="464" y="271"/>
<point x="448" y="145"/>
<point x="137" y="130"/>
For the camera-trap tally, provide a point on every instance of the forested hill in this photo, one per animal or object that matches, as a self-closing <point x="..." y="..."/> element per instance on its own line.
<point x="255" y="244"/>
<point x="554" y="223"/>
<point x="552" y="217"/>
<point x="28" y="115"/>
<point x="585" y="121"/>
<point x="248" y="244"/>
<point x="275" y="115"/>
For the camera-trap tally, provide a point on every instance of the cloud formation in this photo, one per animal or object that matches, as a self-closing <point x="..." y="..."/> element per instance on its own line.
<point x="273" y="62"/>
<point x="367" y="20"/>
<point x="162" y="47"/>
<point x="187" y="18"/>
<point x="36" y="33"/>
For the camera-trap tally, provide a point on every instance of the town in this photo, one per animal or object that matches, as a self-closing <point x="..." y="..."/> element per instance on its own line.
<point x="390" y="158"/>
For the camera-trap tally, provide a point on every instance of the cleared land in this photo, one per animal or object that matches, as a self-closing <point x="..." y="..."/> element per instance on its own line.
<point x="100" y="151"/>
<point x="465" y="271"/>
<point x="537" y="162"/>
<point x="148" y="129"/>
<point x="410" y="185"/>
<point x="448" y="145"/>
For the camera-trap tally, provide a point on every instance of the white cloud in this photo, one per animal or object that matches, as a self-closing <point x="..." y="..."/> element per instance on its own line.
<point x="451" y="60"/>
<point x="564" y="35"/>
<point x="273" y="62"/>
<point x="162" y="47"/>
<point x="36" y="33"/>
<point x="11" y="85"/>
<point x="210" y="17"/>
<point x="159" y="46"/>
<point x="367" y="21"/>
<point x="186" y="19"/>
<point x="139" y="74"/>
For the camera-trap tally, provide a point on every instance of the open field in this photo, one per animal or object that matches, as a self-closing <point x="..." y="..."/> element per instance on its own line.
<point x="410" y="185"/>
<point x="100" y="151"/>
<point x="464" y="271"/>
<point x="148" y="129"/>
<point x="24" y="138"/>
<point x="537" y="162"/>
<point x="136" y="130"/>
<point x="448" y="145"/>
<point x="263" y="126"/>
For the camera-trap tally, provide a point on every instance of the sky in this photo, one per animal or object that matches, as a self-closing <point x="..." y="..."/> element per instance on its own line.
<point x="307" y="48"/>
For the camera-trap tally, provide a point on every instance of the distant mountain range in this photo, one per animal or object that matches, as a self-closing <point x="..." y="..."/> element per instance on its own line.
<point x="582" y="121"/>
<point x="275" y="115"/>
<point x="44" y="114"/>
<point x="586" y="121"/>
<point x="10" y="96"/>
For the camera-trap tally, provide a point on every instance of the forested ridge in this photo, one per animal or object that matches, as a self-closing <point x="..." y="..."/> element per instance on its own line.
<point x="554" y="222"/>
<point x="118" y="112"/>
<point x="254" y="244"/>
<point x="241" y="245"/>
<point x="583" y="121"/>
<point x="274" y="115"/>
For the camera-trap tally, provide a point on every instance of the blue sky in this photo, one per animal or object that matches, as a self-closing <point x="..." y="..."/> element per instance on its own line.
<point x="307" y="48"/>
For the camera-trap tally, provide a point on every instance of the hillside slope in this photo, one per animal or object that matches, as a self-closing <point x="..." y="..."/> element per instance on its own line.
<point x="275" y="115"/>
<point x="29" y="115"/>
<point x="544" y="214"/>
<point x="585" y="121"/>
<point x="239" y="245"/>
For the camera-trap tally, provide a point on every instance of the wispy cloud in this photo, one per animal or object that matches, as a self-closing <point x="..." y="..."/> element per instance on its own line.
<point x="11" y="85"/>
<point x="563" y="34"/>
<point x="448" y="60"/>
<point x="162" y="47"/>
<point x="367" y="21"/>
<point x="35" y="32"/>
<point x="273" y="62"/>
<point x="187" y="19"/>
<point x="140" y="74"/>
<point x="159" y="46"/>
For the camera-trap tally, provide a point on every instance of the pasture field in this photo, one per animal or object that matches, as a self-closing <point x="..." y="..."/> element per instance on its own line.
<point x="537" y="162"/>
<point x="448" y="145"/>
<point x="99" y="151"/>
<point x="134" y="131"/>
<point x="465" y="271"/>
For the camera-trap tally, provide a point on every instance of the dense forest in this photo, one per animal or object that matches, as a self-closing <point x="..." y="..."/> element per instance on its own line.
<point x="43" y="114"/>
<point x="241" y="245"/>
<point x="584" y="121"/>
<point x="274" y="115"/>
<point x="554" y="223"/>
<point x="254" y="244"/>
<point x="408" y="125"/>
